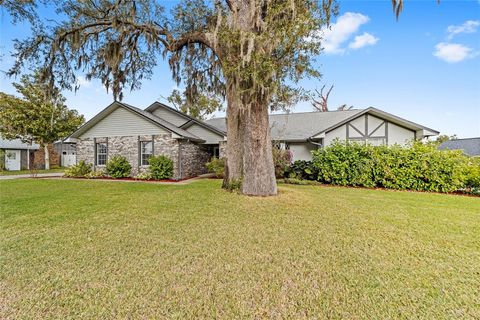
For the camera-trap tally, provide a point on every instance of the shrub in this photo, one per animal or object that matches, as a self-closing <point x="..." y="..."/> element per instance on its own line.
<point x="301" y="169"/>
<point x="418" y="167"/>
<point x="118" y="167"/>
<point x="161" y="167"/>
<point x="217" y="166"/>
<point x="80" y="170"/>
<point x="95" y="174"/>
<point x="144" y="176"/>
<point x="282" y="159"/>
<point x="472" y="175"/>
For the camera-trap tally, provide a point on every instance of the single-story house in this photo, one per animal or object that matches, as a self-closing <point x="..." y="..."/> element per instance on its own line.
<point x="161" y="130"/>
<point x="17" y="154"/>
<point x="470" y="146"/>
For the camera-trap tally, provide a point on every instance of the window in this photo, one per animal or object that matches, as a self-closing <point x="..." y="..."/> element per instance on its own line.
<point x="146" y="151"/>
<point x="101" y="154"/>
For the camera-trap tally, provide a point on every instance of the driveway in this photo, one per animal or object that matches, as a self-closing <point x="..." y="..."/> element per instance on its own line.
<point x="28" y="175"/>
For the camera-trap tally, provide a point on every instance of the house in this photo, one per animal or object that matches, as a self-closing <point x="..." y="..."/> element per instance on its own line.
<point x="17" y="154"/>
<point x="303" y="132"/>
<point x="470" y="146"/>
<point x="25" y="156"/>
<point x="161" y="130"/>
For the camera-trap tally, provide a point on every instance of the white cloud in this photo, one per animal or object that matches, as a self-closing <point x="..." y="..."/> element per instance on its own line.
<point x="469" y="26"/>
<point x="452" y="52"/>
<point x="340" y="31"/>
<point x="366" y="39"/>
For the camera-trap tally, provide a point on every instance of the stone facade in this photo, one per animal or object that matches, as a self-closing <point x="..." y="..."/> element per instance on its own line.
<point x="222" y="148"/>
<point x="193" y="157"/>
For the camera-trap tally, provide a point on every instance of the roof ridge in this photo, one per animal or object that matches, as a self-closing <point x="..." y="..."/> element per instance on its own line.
<point x="294" y="113"/>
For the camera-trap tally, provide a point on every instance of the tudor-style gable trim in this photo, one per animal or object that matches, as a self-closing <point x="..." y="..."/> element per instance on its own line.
<point x="412" y="126"/>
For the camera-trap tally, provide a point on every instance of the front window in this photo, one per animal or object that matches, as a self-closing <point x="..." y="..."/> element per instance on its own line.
<point x="146" y="152"/>
<point x="101" y="154"/>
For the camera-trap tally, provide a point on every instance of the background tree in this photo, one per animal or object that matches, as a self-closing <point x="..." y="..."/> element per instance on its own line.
<point x="444" y="137"/>
<point x="320" y="101"/>
<point x="34" y="118"/>
<point x="199" y="106"/>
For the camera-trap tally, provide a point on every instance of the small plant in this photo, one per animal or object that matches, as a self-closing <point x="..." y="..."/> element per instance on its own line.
<point x="281" y="160"/>
<point x="118" y="167"/>
<point x="144" y="176"/>
<point x="79" y="170"/>
<point x="95" y="174"/>
<point x="161" y="167"/>
<point x="216" y="166"/>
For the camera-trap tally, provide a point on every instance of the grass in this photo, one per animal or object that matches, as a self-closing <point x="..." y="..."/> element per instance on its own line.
<point x="17" y="172"/>
<point x="112" y="250"/>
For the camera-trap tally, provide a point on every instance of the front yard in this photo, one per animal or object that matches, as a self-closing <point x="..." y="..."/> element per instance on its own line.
<point x="110" y="250"/>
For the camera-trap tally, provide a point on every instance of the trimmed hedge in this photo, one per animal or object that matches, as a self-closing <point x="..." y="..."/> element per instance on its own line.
<point x="419" y="167"/>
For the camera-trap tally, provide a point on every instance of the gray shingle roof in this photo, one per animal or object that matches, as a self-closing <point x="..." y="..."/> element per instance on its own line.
<point x="17" y="144"/>
<point x="470" y="146"/>
<point x="297" y="126"/>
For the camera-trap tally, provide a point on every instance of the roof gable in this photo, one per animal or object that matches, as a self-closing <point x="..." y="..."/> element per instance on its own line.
<point x="385" y="116"/>
<point x="147" y="118"/>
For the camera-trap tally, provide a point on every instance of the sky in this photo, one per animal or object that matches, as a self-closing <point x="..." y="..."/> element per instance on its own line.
<point x="425" y="67"/>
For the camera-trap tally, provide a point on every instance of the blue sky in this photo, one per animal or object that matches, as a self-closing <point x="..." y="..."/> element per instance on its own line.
<point x="424" y="67"/>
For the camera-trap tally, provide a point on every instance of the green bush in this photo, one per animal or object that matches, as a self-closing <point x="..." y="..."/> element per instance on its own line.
<point x="161" y="167"/>
<point x="95" y="174"/>
<point x="418" y="167"/>
<point x="217" y="166"/>
<point x="144" y="176"/>
<point x="118" y="167"/>
<point x="301" y="169"/>
<point x="79" y="170"/>
<point x="472" y="175"/>
<point x="282" y="159"/>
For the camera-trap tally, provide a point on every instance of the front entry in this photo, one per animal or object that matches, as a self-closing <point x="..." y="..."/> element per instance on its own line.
<point x="12" y="160"/>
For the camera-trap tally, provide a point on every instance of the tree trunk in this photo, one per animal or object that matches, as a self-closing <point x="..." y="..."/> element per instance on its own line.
<point x="258" y="170"/>
<point x="235" y="134"/>
<point x="47" y="156"/>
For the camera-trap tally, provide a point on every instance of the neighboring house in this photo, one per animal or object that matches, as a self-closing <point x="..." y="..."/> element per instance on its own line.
<point x="470" y="146"/>
<point x="18" y="155"/>
<point x="67" y="152"/>
<point x="161" y="130"/>
<point x="303" y="132"/>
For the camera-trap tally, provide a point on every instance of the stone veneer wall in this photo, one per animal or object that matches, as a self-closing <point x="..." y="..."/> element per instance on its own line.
<point x="222" y="149"/>
<point x="194" y="156"/>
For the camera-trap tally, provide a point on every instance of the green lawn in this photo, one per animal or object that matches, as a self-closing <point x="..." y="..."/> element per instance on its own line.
<point x="17" y="172"/>
<point x="74" y="249"/>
